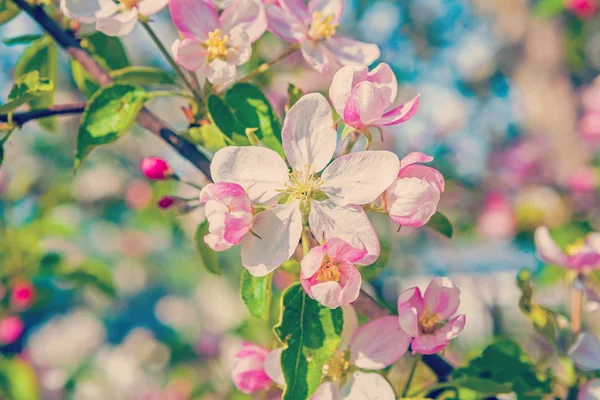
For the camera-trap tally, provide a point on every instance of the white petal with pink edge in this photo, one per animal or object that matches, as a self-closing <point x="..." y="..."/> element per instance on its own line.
<point x="442" y="297"/>
<point x="547" y="248"/>
<point x="193" y="18"/>
<point x="367" y="386"/>
<point x="352" y="52"/>
<point x="247" y="16"/>
<point x="585" y="352"/>
<point x="189" y="53"/>
<point x="378" y="344"/>
<point x="151" y="7"/>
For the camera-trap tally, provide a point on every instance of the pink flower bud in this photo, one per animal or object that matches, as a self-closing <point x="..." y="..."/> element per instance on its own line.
<point x="22" y="295"/>
<point x="582" y="8"/>
<point x="413" y="198"/>
<point x="11" y="329"/>
<point x="248" y="373"/>
<point x="155" y="168"/>
<point x="166" y="202"/>
<point x="583" y="180"/>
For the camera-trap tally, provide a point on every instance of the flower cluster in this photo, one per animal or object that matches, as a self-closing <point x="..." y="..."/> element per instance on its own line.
<point x="22" y="296"/>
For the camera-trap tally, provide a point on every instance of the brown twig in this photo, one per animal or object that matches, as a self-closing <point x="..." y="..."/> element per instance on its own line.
<point x="21" y="118"/>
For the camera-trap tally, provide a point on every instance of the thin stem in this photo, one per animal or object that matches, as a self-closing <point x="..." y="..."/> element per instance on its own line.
<point x="178" y="179"/>
<point x="305" y="241"/>
<point x="167" y="55"/>
<point x="352" y="139"/>
<point x="411" y="375"/>
<point x="576" y="308"/>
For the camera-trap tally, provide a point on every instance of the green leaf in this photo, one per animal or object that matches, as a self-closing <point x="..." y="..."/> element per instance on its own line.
<point x="18" y="380"/>
<point x="503" y="368"/>
<point x="311" y="334"/>
<point x="294" y="94"/>
<point x="253" y="110"/>
<point x="109" y="114"/>
<point x="23" y="39"/>
<point x="88" y="273"/>
<point x="256" y="294"/>
<point x="142" y="76"/>
<point x="8" y="10"/>
<point x="41" y="56"/>
<point x="222" y="116"/>
<point x="548" y="8"/>
<point x="25" y="89"/>
<point x="439" y="222"/>
<point x="207" y="255"/>
<point x="543" y="319"/>
<point x="208" y="136"/>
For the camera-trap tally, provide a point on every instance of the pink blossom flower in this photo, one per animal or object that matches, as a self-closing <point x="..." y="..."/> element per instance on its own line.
<point x="585" y="352"/>
<point x="155" y="168"/>
<point x="582" y="8"/>
<point x="113" y="19"/>
<point x="498" y="218"/>
<point x="427" y="318"/>
<point x="364" y="99"/>
<point x="589" y="390"/>
<point x="589" y="126"/>
<point x="229" y="213"/>
<point x="248" y="373"/>
<point x="22" y="295"/>
<point x="314" y="26"/>
<point x="216" y="44"/>
<point x="11" y="329"/>
<point x="414" y="196"/>
<point x="583" y="180"/>
<point x="372" y="346"/>
<point x="580" y="256"/>
<point x="331" y="200"/>
<point x="328" y="274"/>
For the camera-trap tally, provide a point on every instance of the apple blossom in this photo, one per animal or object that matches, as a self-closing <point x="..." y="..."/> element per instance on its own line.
<point x="582" y="8"/>
<point x="229" y="213"/>
<point x="314" y="26"/>
<point x="111" y="18"/>
<point x="11" y="329"/>
<point x="330" y="201"/>
<point x="22" y="295"/>
<point x="248" y="372"/>
<point x="327" y="273"/>
<point x="216" y="44"/>
<point x="414" y="196"/>
<point x="585" y="353"/>
<point x="155" y="168"/>
<point x="425" y="318"/>
<point x="365" y="99"/>
<point x="579" y="256"/>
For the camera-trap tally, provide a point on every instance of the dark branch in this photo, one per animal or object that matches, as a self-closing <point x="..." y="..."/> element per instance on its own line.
<point x="21" y="118"/>
<point x="145" y="119"/>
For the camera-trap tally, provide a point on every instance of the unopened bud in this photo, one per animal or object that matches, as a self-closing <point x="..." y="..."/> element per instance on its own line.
<point x="155" y="168"/>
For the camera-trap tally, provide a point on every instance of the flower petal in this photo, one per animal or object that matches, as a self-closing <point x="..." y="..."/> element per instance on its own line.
<point x="590" y="390"/>
<point x="411" y="201"/>
<point x="338" y="250"/>
<point x="413" y="297"/>
<point x="365" y="105"/>
<point x="593" y="241"/>
<point x="585" y="352"/>
<point x="428" y="344"/>
<point x="260" y="171"/>
<point x="311" y="262"/>
<point x="399" y="114"/>
<point x="118" y="24"/>
<point x="189" y="53"/>
<point x="343" y="82"/>
<point x="284" y="25"/>
<point x="452" y="329"/>
<point x="547" y="249"/>
<point x="349" y="223"/>
<point x="414" y="158"/>
<point x="221" y="72"/>
<point x="329" y="294"/>
<point x="386" y="82"/>
<point x="431" y="175"/>
<point x="87" y="11"/>
<point x="378" y="344"/>
<point x="194" y="18"/>
<point x="351" y="281"/>
<point x="352" y="52"/>
<point x="247" y="16"/>
<point x="408" y="317"/>
<point x="334" y="8"/>
<point x="359" y="178"/>
<point x="327" y="391"/>
<point x="367" y="386"/>
<point x="279" y="229"/>
<point x="273" y="366"/>
<point x="350" y="326"/>
<point x="151" y="7"/>
<point x="296" y="8"/>
<point x="442" y="297"/>
<point x="241" y="48"/>
<point x="308" y="134"/>
<point x="317" y="56"/>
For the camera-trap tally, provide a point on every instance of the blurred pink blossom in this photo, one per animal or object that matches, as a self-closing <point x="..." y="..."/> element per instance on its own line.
<point x="22" y="295"/>
<point x="582" y="8"/>
<point x="11" y="329"/>
<point x="497" y="219"/>
<point x="248" y="373"/>
<point x="583" y="180"/>
<point x="579" y="256"/>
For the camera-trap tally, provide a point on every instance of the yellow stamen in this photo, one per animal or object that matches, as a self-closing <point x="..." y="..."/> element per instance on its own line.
<point x="302" y="184"/>
<point x="216" y="45"/>
<point x="328" y="272"/>
<point x="129" y="4"/>
<point x="322" y="26"/>
<point x="336" y="367"/>
<point x="429" y="321"/>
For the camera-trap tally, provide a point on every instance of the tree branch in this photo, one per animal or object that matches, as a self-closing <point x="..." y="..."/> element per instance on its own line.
<point x="145" y="119"/>
<point x="21" y="118"/>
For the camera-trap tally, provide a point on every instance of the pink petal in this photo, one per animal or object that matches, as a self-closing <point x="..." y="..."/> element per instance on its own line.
<point x="593" y="241"/>
<point x="241" y="48"/>
<point x="351" y="281"/>
<point x="317" y="56"/>
<point x="329" y="294"/>
<point x="343" y="82"/>
<point x="230" y="194"/>
<point x="151" y="7"/>
<point x="408" y="317"/>
<point x="399" y="114"/>
<point x="365" y="105"/>
<point x="189" y="53"/>
<point x="311" y="263"/>
<point x="378" y="344"/>
<point x="442" y="297"/>
<point x="338" y="250"/>
<point x="237" y="225"/>
<point x="334" y="8"/>
<point x="414" y="158"/>
<point x="359" y="178"/>
<point x="427" y="174"/>
<point x="350" y="326"/>
<point x="308" y="135"/>
<point x="352" y="52"/>
<point x="195" y="19"/>
<point x="428" y="344"/>
<point x="349" y="223"/>
<point x="590" y="390"/>
<point x="413" y="297"/>
<point x="386" y="82"/>
<point x="284" y="25"/>
<point x="279" y="229"/>
<point x="327" y="391"/>
<point x="248" y="372"/>
<point x="273" y="366"/>
<point x="217" y="242"/>
<point x="452" y="329"/>
<point x="260" y="171"/>
<point x="220" y="72"/>
<point x="547" y="249"/>
<point x="296" y="8"/>
<point x="118" y="24"/>
<point x="585" y="352"/>
<point x="247" y="16"/>
<point x="411" y="201"/>
<point x="367" y="386"/>
<point x="585" y="258"/>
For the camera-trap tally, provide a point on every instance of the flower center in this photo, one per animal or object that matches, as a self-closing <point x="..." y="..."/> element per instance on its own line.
<point x="302" y="184"/>
<point x="328" y="272"/>
<point x="129" y="4"/>
<point x="429" y="322"/>
<point x="216" y="45"/>
<point x="336" y="367"/>
<point x="574" y="248"/>
<point x="322" y="26"/>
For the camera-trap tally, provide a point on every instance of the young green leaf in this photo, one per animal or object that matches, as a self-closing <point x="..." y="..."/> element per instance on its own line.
<point x="548" y="8"/>
<point x="207" y="255"/>
<point x="8" y="10"/>
<point x="256" y="294"/>
<point x="25" y="89"/>
<point x="222" y="117"/>
<point x="439" y="222"/>
<point x="88" y="273"/>
<point x="23" y="39"/>
<point x="294" y="94"/>
<point x="543" y="320"/>
<point x="311" y="334"/>
<point x="18" y="380"/>
<point x="144" y="76"/>
<point x="208" y="136"/>
<point x="109" y="114"/>
<point x="41" y="56"/>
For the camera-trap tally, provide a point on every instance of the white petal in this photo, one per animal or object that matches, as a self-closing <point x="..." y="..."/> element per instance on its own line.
<point x="350" y="326"/>
<point x="118" y="24"/>
<point x="590" y="390"/>
<point x="585" y="352"/>
<point x="333" y="8"/>
<point x="279" y="230"/>
<point x="260" y="171"/>
<point x="273" y="366"/>
<point x="349" y="223"/>
<point x="359" y="178"/>
<point x="343" y="82"/>
<point x="317" y="56"/>
<point x="150" y="7"/>
<point x="308" y="135"/>
<point x="220" y="72"/>
<point x="368" y="386"/>
<point x="246" y="16"/>
<point x="189" y="53"/>
<point x="352" y="52"/>
<point x="87" y="11"/>
<point x="327" y="391"/>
